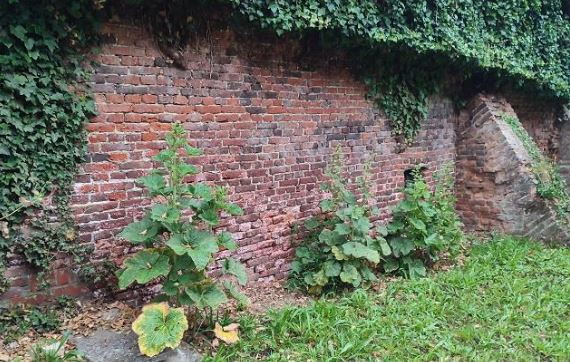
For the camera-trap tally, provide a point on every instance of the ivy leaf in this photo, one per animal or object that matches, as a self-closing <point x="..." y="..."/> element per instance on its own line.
<point x="159" y="327"/>
<point x="359" y="250"/>
<point x="235" y="268"/>
<point x="143" y="267"/>
<point x="140" y="231"/>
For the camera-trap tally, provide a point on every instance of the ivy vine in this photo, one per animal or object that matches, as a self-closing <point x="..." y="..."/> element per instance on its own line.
<point x="43" y="110"/>
<point x="480" y="44"/>
<point x="404" y="50"/>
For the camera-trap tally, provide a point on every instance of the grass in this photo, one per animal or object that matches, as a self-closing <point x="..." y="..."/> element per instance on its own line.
<point x="509" y="302"/>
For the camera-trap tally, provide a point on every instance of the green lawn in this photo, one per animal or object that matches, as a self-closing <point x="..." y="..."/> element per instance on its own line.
<point x="509" y="302"/>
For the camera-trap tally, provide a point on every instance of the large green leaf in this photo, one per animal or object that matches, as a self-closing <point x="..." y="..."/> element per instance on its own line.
<point x="359" y="250"/>
<point x="159" y="327"/>
<point x="312" y="223"/>
<point x="209" y="296"/>
<point x="165" y="213"/>
<point x="401" y="246"/>
<point x="233" y="209"/>
<point x="342" y="229"/>
<point x="143" y="267"/>
<point x="140" y="231"/>
<point x="416" y="267"/>
<point x="203" y="191"/>
<point x="235" y="293"/>
<point x="332" y="268"/>
<point x="192" y="151"/>
<point x="418" y="224"/>
<point x="363" y="225"/>
<point x="235" y="268"/>
<point x="198" y="244"/>
<point x="350" y="275"/>
<point x="386" y="250"/>
<point x="155" y="183"/>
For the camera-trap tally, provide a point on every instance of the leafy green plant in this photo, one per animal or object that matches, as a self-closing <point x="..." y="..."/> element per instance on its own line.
<point x="343" y="245"/>
<point x="550" y="183"/>
<point x="44" y="106"/>
<point x="406" y="50"/>
<point x="53" y="350"/>
<point x="424" y="224"/>
<point x="159" y="327"/>
<point x="177" y="234"/>
<point x="17" y="321"/>
<point x="480" y="311"/>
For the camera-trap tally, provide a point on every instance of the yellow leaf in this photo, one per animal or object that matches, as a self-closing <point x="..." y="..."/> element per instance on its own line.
<point x="231" y="327"/>
<point x="230" y="337"/>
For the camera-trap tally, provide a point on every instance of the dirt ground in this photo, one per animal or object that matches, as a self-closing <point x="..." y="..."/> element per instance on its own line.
<point x="118" y="316"/>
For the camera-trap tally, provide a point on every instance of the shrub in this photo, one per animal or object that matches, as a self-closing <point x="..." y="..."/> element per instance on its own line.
<point x="343" y="246"/>
<point x="424" y="224"/>
<point x="177" y="234"/>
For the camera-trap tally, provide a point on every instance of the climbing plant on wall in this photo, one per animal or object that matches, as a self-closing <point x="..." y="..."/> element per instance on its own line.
<point x="521" y="43"/>
<point x="43" y="110"/>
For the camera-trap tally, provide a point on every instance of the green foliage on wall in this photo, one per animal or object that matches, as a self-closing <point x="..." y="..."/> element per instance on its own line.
<point x="43" y="109"/>
<point x="488" y="43"/>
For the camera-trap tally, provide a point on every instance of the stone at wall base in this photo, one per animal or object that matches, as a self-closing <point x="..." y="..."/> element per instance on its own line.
<point x="111" y="346"/>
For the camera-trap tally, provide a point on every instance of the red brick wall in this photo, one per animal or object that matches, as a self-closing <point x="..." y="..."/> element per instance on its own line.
<point x="267" y="127"/>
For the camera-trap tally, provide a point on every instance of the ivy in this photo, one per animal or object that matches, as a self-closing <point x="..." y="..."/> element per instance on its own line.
<point x="43" y="110"/>
<point x="477" y="43"/>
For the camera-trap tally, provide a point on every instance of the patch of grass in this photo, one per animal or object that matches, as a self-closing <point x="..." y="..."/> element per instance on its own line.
<point x="510" y="302"/>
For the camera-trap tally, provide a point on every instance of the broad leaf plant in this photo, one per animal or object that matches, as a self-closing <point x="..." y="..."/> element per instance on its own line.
<point x="343" y="246"/>
<point x="177" y="234"/>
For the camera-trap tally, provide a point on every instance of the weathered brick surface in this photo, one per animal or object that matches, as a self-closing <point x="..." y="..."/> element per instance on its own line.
<point x="495" y="185"/>
<point x="541" y="120"/>
<point x="268" y="127"/>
